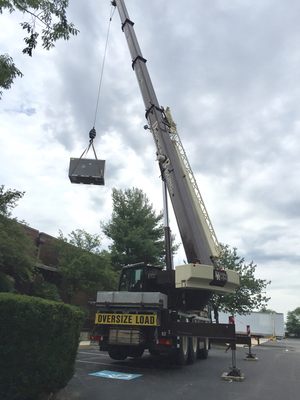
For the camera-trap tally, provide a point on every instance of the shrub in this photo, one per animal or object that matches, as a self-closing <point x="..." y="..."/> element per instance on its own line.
<point x="17" y="259"/>
<point x="46" y="290"/>
<point x="6" y="283"/>
<point x="38" y="344"/>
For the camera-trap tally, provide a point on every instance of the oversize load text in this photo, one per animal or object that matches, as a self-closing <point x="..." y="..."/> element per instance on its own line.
<point x="126" y="319"/>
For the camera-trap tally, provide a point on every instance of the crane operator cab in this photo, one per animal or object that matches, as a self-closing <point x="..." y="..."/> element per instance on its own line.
<point x="139" y="277"/>
<point x="188" y="287"/>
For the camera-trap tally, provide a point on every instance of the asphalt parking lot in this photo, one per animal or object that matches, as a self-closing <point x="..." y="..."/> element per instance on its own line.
<point x="275" y="376"/>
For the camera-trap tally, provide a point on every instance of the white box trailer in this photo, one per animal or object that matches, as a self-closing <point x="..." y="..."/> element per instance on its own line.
<point x="261" y="324"/>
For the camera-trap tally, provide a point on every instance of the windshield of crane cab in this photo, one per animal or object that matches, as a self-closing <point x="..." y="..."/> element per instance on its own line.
<point x="131" y="279"/>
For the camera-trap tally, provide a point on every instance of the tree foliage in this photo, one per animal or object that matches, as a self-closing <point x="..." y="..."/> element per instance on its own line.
<point x="267" y="310"/>
<point x="8" y="200"/>
<point x="83" y="266"/>
<point x="51" y="15"/>
<point x="250" y="295"/>
<point x="135" y="229"/>
<point x="84" y="240"/>
<point x="40" y="287"/>
<point x="17" y="262"/>
<point x="293" y="323"/>
<point x="16" y="252"/>
<point x="8" y="72"/>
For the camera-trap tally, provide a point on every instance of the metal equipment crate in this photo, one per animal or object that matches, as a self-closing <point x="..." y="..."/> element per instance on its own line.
<point x="87" y="171"/>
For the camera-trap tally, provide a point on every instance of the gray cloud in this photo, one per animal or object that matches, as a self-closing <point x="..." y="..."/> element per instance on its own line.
<point x="22" y="109"/>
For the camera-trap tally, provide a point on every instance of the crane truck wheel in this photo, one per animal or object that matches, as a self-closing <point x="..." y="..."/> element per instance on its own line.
<point x="182" y="352"/>
<point x="137" y="353"/>
<point x="154" y="352"/>
<point x="117" y="354"/>
<point x="193" y="349"/>
<point x="202" y="352"/>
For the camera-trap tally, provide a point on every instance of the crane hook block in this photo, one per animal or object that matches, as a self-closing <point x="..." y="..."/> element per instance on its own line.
<point x="92" y="133"/>
<point x="87" y="171"/>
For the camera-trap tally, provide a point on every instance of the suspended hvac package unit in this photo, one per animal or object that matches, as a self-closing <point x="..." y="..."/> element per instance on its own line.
<point x="87" y="170"/>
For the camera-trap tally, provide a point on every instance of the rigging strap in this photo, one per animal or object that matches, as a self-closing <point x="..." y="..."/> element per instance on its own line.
<point x="92" y="136"/>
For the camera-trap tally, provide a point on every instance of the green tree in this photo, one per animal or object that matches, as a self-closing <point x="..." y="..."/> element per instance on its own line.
<point x="46" y="290"/>
<point x="83" y="266"/>
<point x="8" y="72"/>
<point x="50" y="15"/>
<point x="8" y="200"/>
<point x="250" y="295"/>
<point x="293" y="322"/>
<point x="17" y="262"/>
<point x="267" y="310"/>
<point x="84" y="240"/>
<point x="135" y="229"/>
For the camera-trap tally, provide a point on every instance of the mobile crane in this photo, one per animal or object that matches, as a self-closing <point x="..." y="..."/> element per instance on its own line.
<point x="166" y="310"/>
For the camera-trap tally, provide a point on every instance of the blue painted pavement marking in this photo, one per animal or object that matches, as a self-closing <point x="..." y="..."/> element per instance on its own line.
<point x="115" y="375"/>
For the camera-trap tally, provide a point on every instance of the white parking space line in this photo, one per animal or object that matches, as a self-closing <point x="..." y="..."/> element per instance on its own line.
<point x="92" y="362"/>
<point x="112" y="365"/>
<point x="94" y="354"/>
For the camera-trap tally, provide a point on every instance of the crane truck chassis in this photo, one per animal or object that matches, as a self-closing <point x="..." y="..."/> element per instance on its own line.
<point x="149" y="313"/>
<point x="166" y="310"/>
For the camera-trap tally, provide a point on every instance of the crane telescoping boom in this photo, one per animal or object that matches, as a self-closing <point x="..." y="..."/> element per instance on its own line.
<point x="197" y="234"/>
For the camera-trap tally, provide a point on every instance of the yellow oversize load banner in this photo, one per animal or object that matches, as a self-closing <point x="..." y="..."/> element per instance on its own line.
<point x="126" y="319"/>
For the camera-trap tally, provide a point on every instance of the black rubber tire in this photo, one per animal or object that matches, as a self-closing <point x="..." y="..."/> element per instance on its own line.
<point x="193" y="350"/>
<point x="154" y="352"/>
<point x="202" y="352"/>
<point x="136" y="353"/>
<point x="182" y="353"/>
<point x="117" y="354"/>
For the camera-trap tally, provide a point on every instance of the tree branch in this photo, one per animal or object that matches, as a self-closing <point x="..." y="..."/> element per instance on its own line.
<point x="31" y="13"/>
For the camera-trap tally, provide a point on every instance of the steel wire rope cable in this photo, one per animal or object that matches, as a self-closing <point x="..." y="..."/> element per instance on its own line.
<point x="92" y="133"/>
<point x="103" y="63"/>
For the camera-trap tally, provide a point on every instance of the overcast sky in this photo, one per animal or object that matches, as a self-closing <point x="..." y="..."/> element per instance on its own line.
<point x="229" y="70"/>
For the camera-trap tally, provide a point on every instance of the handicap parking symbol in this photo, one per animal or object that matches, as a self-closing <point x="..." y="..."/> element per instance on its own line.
<point x="115" y="375"/>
